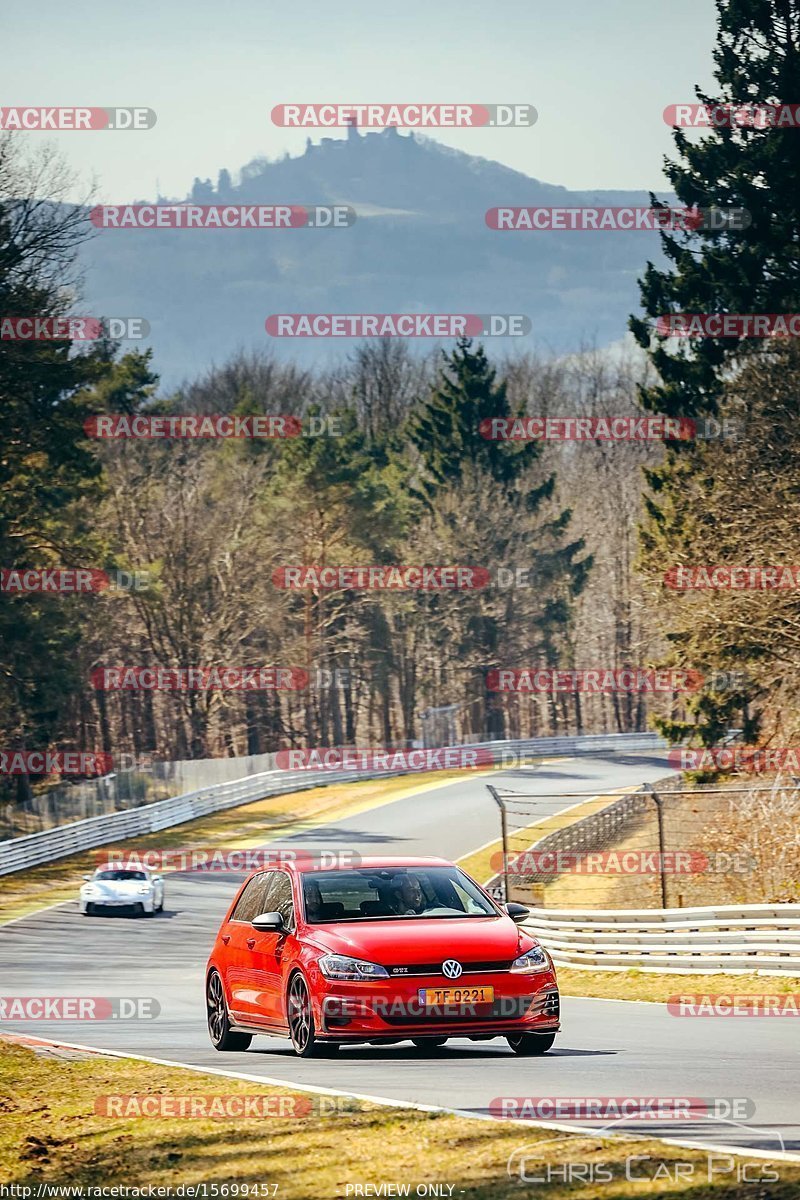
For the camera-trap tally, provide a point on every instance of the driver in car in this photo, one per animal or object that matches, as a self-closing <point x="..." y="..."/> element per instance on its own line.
<point x="313" y="899"/>
<point x="410" y="900"/>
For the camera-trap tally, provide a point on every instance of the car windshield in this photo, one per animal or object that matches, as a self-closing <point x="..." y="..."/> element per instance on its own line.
<point x="392" y="893"/>
<point x="121" y="875"/>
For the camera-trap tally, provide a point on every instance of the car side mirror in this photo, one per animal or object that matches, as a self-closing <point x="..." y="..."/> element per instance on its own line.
<point x="517" y="912"/>
<point x="87" y="878"/>
<point x="155" y="878"/>
<point x="269" y="922"/>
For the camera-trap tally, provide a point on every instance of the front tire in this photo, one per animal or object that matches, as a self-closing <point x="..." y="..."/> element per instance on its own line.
<point x="531" y="1044"/>
<point x="219" y="1026"/>
<point x="302" y="1029"/>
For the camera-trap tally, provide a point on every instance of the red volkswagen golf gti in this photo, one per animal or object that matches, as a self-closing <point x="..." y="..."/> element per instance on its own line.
<point x="387" y="950"/>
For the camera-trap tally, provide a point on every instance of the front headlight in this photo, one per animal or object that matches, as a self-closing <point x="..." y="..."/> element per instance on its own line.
<point x="531" y="961"/>
<point x="339" y="966"/>
<point x="89" y="889"/>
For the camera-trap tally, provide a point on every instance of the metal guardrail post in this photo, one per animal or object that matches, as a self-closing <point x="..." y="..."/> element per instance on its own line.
<point x="504" y="836"/>
<point x="659" y="803"/>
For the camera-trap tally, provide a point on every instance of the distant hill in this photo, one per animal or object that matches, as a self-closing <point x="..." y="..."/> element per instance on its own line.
<point x="420" y="244"/>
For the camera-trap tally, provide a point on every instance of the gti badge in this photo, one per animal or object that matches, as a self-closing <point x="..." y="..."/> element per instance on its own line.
<point x="451" y="968"/>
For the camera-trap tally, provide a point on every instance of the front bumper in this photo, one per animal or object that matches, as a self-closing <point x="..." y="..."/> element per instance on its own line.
<point x="392" y="1008"/>
<point x="145" y="902"/>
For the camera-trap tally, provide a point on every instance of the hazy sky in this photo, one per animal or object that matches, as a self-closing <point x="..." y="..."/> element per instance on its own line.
<point x="600" y="73"/>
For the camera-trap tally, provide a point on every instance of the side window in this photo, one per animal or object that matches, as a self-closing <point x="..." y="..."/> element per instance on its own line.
<point x="250" y="902"/>
<point x="278" y="897"/>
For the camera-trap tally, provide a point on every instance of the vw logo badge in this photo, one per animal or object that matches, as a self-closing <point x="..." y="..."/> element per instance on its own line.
<point x="451" y="968"/>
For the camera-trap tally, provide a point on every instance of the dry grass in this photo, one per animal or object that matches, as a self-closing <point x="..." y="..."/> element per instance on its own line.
<point x="641" y="985"/>
<point x="50" y="1134"/>
<point x="751" y="838"/>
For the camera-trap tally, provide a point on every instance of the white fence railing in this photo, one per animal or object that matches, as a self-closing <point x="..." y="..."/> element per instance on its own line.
<point x="763" y="938"/>
<point x="33" y="849"/>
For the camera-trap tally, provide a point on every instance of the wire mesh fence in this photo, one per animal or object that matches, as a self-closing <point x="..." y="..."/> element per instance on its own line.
<point x="140" y="779"/>
<point x="142" y="783"/>
<point x="661" y="846"/>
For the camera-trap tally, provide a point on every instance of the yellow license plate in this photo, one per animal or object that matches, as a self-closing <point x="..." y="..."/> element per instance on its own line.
<point x="456" y="995"/>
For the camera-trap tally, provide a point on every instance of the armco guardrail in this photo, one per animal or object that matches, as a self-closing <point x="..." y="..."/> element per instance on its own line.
<point x="33" y="849"/>
<point x="761" y="938"/>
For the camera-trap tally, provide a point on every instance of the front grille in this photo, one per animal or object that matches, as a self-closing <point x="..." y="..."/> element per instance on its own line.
<point x="476" y="968"/>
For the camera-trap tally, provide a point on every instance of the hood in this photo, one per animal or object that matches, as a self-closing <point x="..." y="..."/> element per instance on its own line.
<point x="421" y="940"/>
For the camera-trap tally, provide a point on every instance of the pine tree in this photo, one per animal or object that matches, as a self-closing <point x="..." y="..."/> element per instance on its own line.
<point x="446" y="429"/>
<point x="754" y="270"/>
<point x="49" y="477"/>
<point x="492" y="496"/>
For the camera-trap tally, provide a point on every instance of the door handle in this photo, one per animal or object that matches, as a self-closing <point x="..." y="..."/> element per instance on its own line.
<point x="226" y="937"/>
<point x="250" y="943"/>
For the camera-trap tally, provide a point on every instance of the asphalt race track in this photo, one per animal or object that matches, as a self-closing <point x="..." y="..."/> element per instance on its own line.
<point x="607" y="1048"/>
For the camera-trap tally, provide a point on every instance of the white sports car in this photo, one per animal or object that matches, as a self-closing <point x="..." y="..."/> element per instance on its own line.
<point x="122" y="887"/>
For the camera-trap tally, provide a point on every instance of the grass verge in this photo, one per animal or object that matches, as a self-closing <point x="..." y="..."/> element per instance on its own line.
<point x="51" y="1134"/>
<point x="641" y="985"/>
<point x="597" y="890"/>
